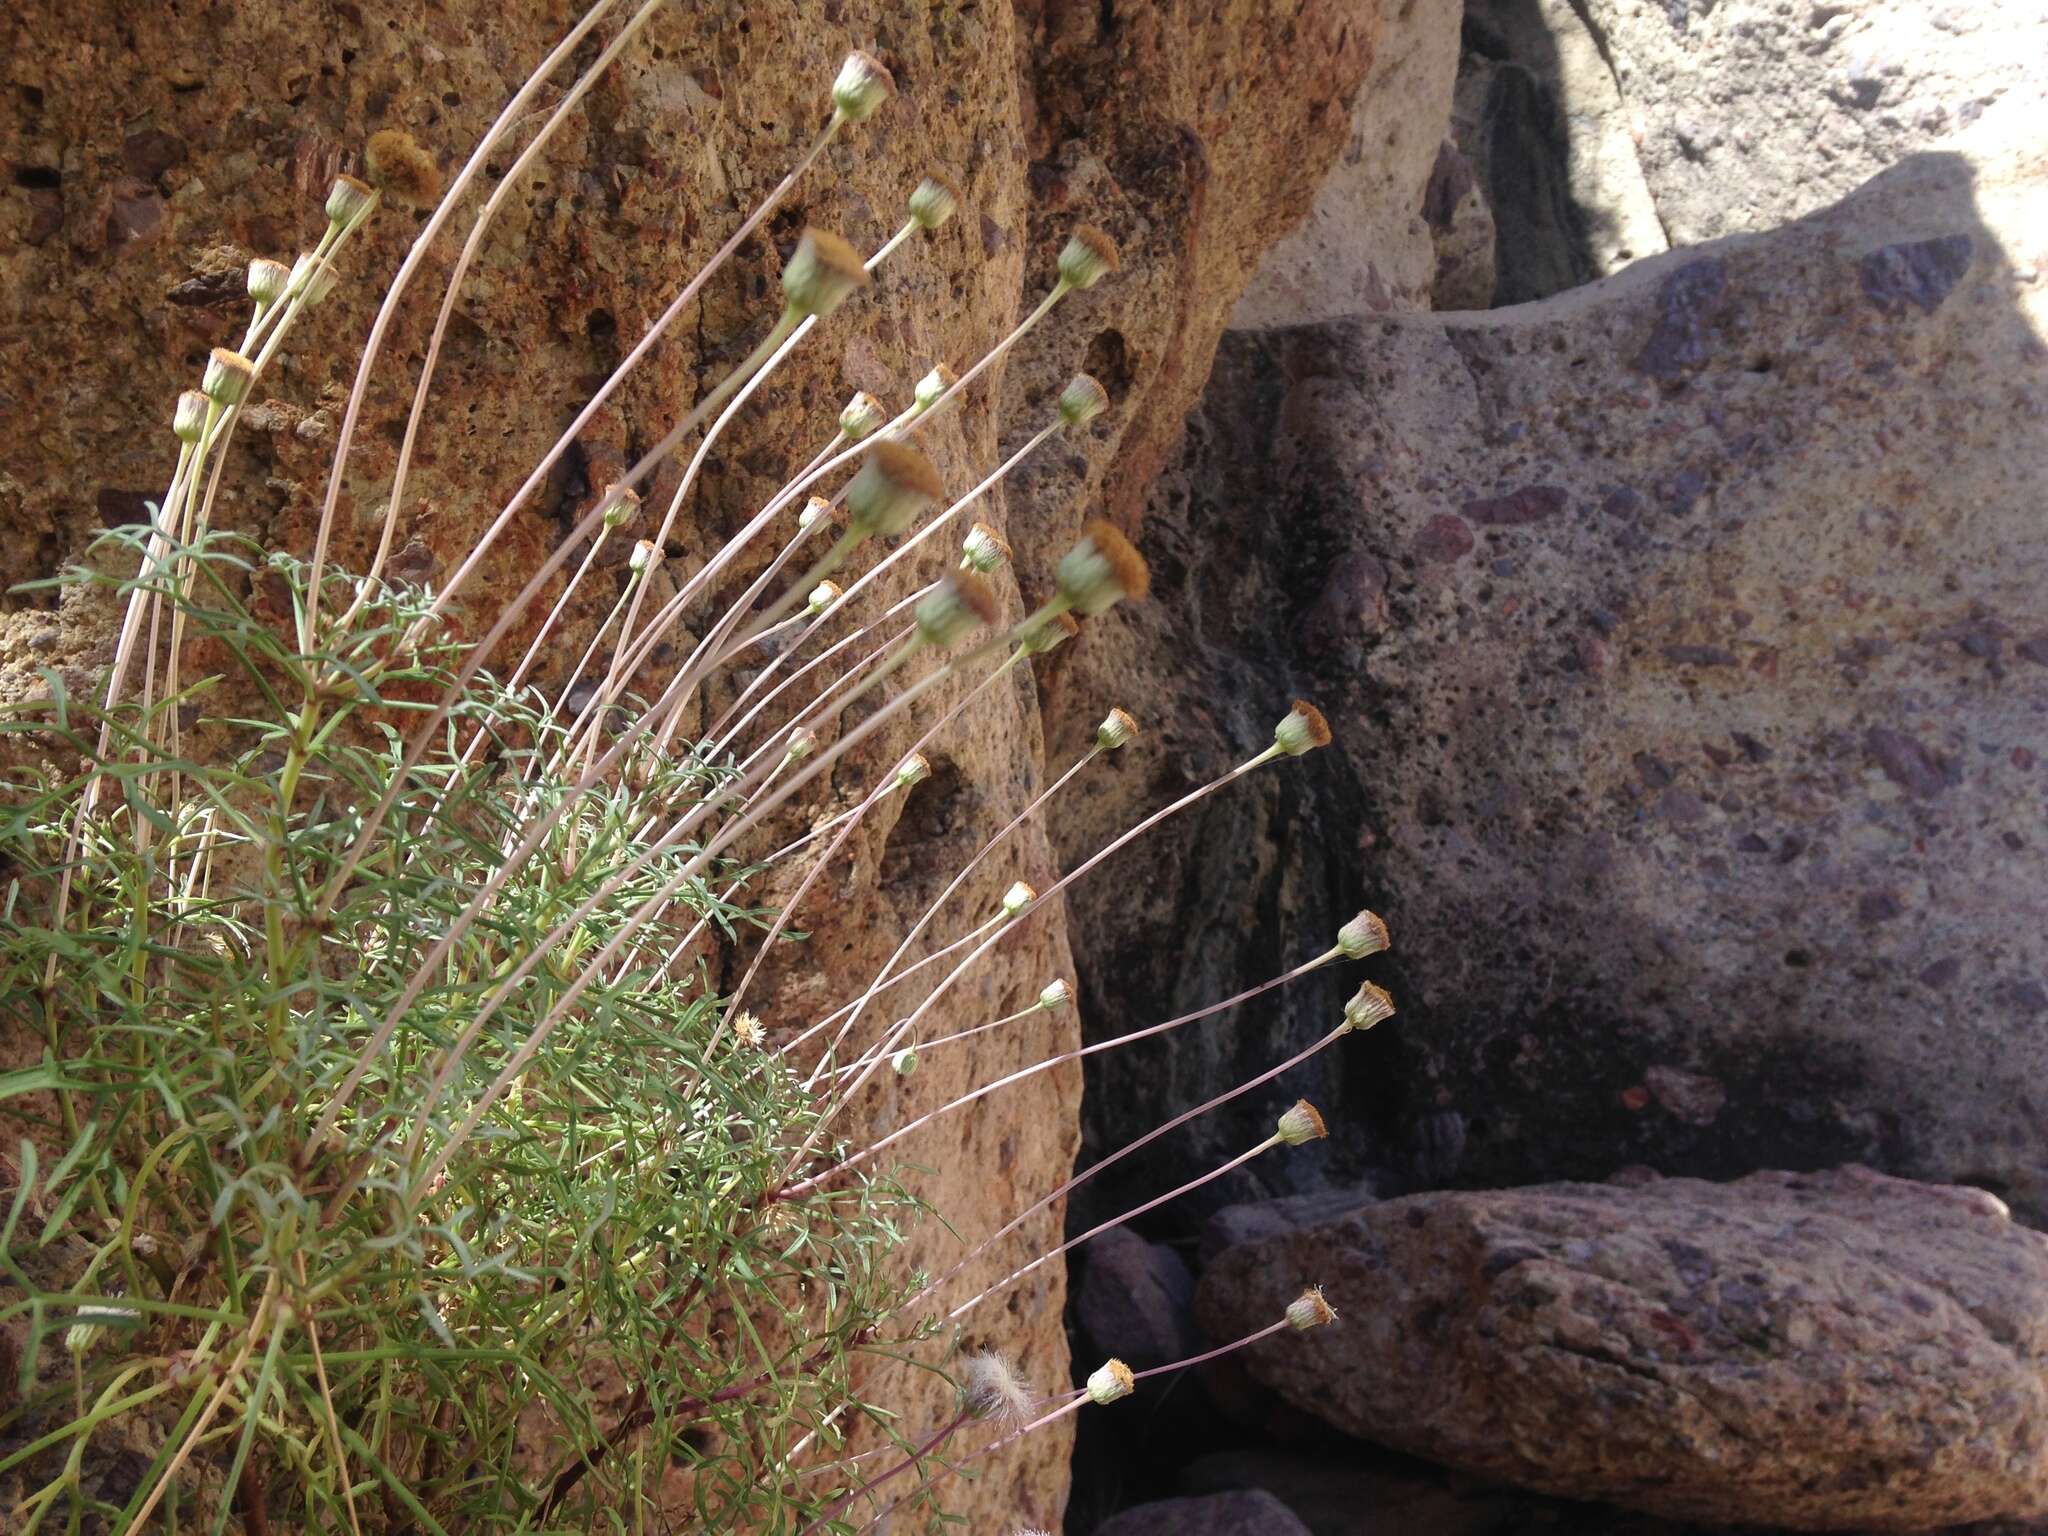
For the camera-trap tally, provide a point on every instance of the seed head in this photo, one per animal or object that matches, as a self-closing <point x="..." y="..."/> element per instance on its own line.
<point x="1082" y="400"/>
<point x="991" y="1390"/>
<point x="814" y="509"/>
<point x="914" y="769"/>
<point x="1017" y="898"/>
<point x="822" y="597"/>
<point x="747" y="1030"/>
<point x="803" y="741"/>
<point x="349" y="202"/>
<point x="1368" y="1006"/>
<point x="1049" y="634"/>
<point x="1101" y="570"/>
<point x="861" y="88"/>
<point x="1309" y="1310"/>
<point x="1111" y="1381"/>
<point x="1088" y="257"/>
<point x="268" y="280"/>
<point x="646" y="555"/>
<point x="625" y="501"/>
<point x="863" y="413"/>
<point x="227" y="378"/>
<point x="935" y="200"/>
<point x="1302" y="1123"/>
<point x="983" y="549"/>
<point x="905" y="1061"/>
<point x="188" y="421"/>
<point x="1117" y="729"/>
<point x="1301" y="729"/>
<point x="1055" y="996"/>
<point x="403" y="171"/>
<point x="1364" y="935"/>
<point x="933" y="385"/>
<point x="895" y="483"/>
<point x="959" y="605"/>
<point x="821" y="273"/>
<point x="313" y="277"/>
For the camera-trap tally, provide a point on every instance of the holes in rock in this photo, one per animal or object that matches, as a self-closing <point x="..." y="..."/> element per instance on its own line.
<point x="38" y="177"/>
<point x="1109" y="359"/>
<point x="931" y="814"/>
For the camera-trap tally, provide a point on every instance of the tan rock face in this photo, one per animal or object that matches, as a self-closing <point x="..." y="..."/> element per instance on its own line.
<point x="1818" y="1351"/>
<point x="154" y="152"/>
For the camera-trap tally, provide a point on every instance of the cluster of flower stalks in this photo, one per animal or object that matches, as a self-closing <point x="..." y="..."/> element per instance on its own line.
<point x="384" y="1158"/>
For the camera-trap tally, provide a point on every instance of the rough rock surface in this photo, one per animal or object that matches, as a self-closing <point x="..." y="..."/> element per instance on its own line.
<point x="1217" y="1514"/>
<point x="1135" y="1300"/>
<point x="1838" y="1351"/>
<point x="1684" y="641"/>
<point x="151" y="152"/>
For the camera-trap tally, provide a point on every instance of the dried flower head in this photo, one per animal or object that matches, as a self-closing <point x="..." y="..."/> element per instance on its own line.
<point x="268" y="280"/>
<point x="1054" y="995"/>
<point x="803" y="741"/>
<point x="646" y="555"/>
<point x="822" y="597"/>
<point x="992" y="1391"/>
<point x="624" y="502"/>
<point x="227" y="378"/>
<point x="821" y="273"/>
<point x="1101" y="570"/>
<point x="1117" y="729"/>
<point x="914" y="769"/>
<point x="1082" y="400"/>
<point x="1302" y="1123"/>
<point x="349" y="201"/>
<point x="814" y="509"/>
<point x="983" y="549"/>
<point x="747" y="1030"/>
<point x="188" y="421"/>
<point x="1364" y="935"/>
<point x="862" y="415"/>
<point x="312" y="276"/>
<point x="1301" y="729"/>
<point x="905" y="1061"/>
<point x="934" y="200"/>
<point x="1088" y="257"/>
<point x="894" y="484"/>
<point x="960" y="604"/>
<point x="933" y="385"/>
<point x="1368" y="1006"/>
<point x="402" y="171"/>
<point x="1110" y="1381"/>
<point x="862" y="85"/>
<point x="1048" y="634"/>
<point x="1017" y="898"/>
<point x="1309" y="1310"/>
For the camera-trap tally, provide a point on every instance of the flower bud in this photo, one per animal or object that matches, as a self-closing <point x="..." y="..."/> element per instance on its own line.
<point x="227" y="378"/>
<point x="1100" y="570"/>
<point x="863" y="413"/>
<point x="821" y="273"/>
<point x="934" y="201"/>
<point x="646" y="555"/>
<point x="1056" y="995"/>
<point x="1082" y="401"/>
<point x="895" y="483"/>
<point x="1368" y="1006"/>
<point x="933" y="385"/>
<point x="313" y="277"/>
<point x="1017" y="898"/>
<point x="268" y="280"/>
<point x="983" y="549"/>
<point x="1049" y="634"/>
<point x="1117" y="729"/>
<point x="803" y="741"/>
<point x="403" y="171"/>
<point x="814" y="509"/>
<point x="1301" y="729"/>
<point x="1302" y="1123"/>
<point x="1112" y="1381"/>
<point x="862" y="86"/>
<point x="625" y="501"/>
<point x="1087" y="258"/>
<point x="188" y="421"/>
<point x="1364" y="935"/>
<point x="823" y="596"/>
<point x="748" y="1031"/>
<point x="957" y="606"/>
<point x="1309" y="1310"/>
<point x="905" y="1061"/>
<point x="914" y="769"/>
<point x="349" y="201"/>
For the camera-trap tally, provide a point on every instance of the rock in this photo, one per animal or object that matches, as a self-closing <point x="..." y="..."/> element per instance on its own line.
<point x="1219" y="1514"/>
<point x="1236" y="1224"/>
<point x="1702" y="793"/>
<point x="1830" y="1351"/>
<point x="1356" y="1491"/>
<point x="1135" y="1300"/>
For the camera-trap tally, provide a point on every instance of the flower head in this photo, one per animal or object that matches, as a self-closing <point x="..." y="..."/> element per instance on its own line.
<point x="935" y="200"/>
<point x="1301" y="729"/>
<point x="349" y="201"/>
<point x="268" y="280"/>
<point x="862" y="414"/>
<point x="227" y="378"/>
<point x="1049" y="634"/>
<point x="1302" y="1123"/>
<point x="1101" y="570"/>
<point x="188" y="420"/>
<point x="1117" y="729"/>
<point x="1088" y="257"/>
<point x="803" y="741"/>
<point x="1110" y="1381"/>
<point x="1368" y="1006"/>
<point x="1056" y="994"/>
<point x="748" y="1030"/>
<point x="821" y="273"/>
<point x="646" y="555"/>
<point x="1364" y="935"/>
<point x="894" y="484"/>
<point x="990" y="1389"/>
<point x="1309" y="1310"/>
<point x="1018" y="897"/>
<point x="625" y="501"/>
<point x="905" y="1061"/>
<point x="957" y="606"/>
<point x="914" y="769"/>
<point x="312" y="277"/>
<point x="933" y="385"/>
<point x="822" y="597"/>
<point x="403" y="171"/>
<point x="814" y="509"/>
<point x="862" y="85"/>
<point x="983" y="549"/>
<point x="1082" y="400"/>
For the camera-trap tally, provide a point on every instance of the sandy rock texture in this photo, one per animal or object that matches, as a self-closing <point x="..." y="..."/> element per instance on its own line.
<point x="1684" y="641"/>
<point x="1837" y="1351"/>
<point x="153" y="150"/>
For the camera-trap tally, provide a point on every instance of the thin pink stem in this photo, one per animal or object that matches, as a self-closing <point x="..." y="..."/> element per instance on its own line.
<point x="1214" y="1354"/>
